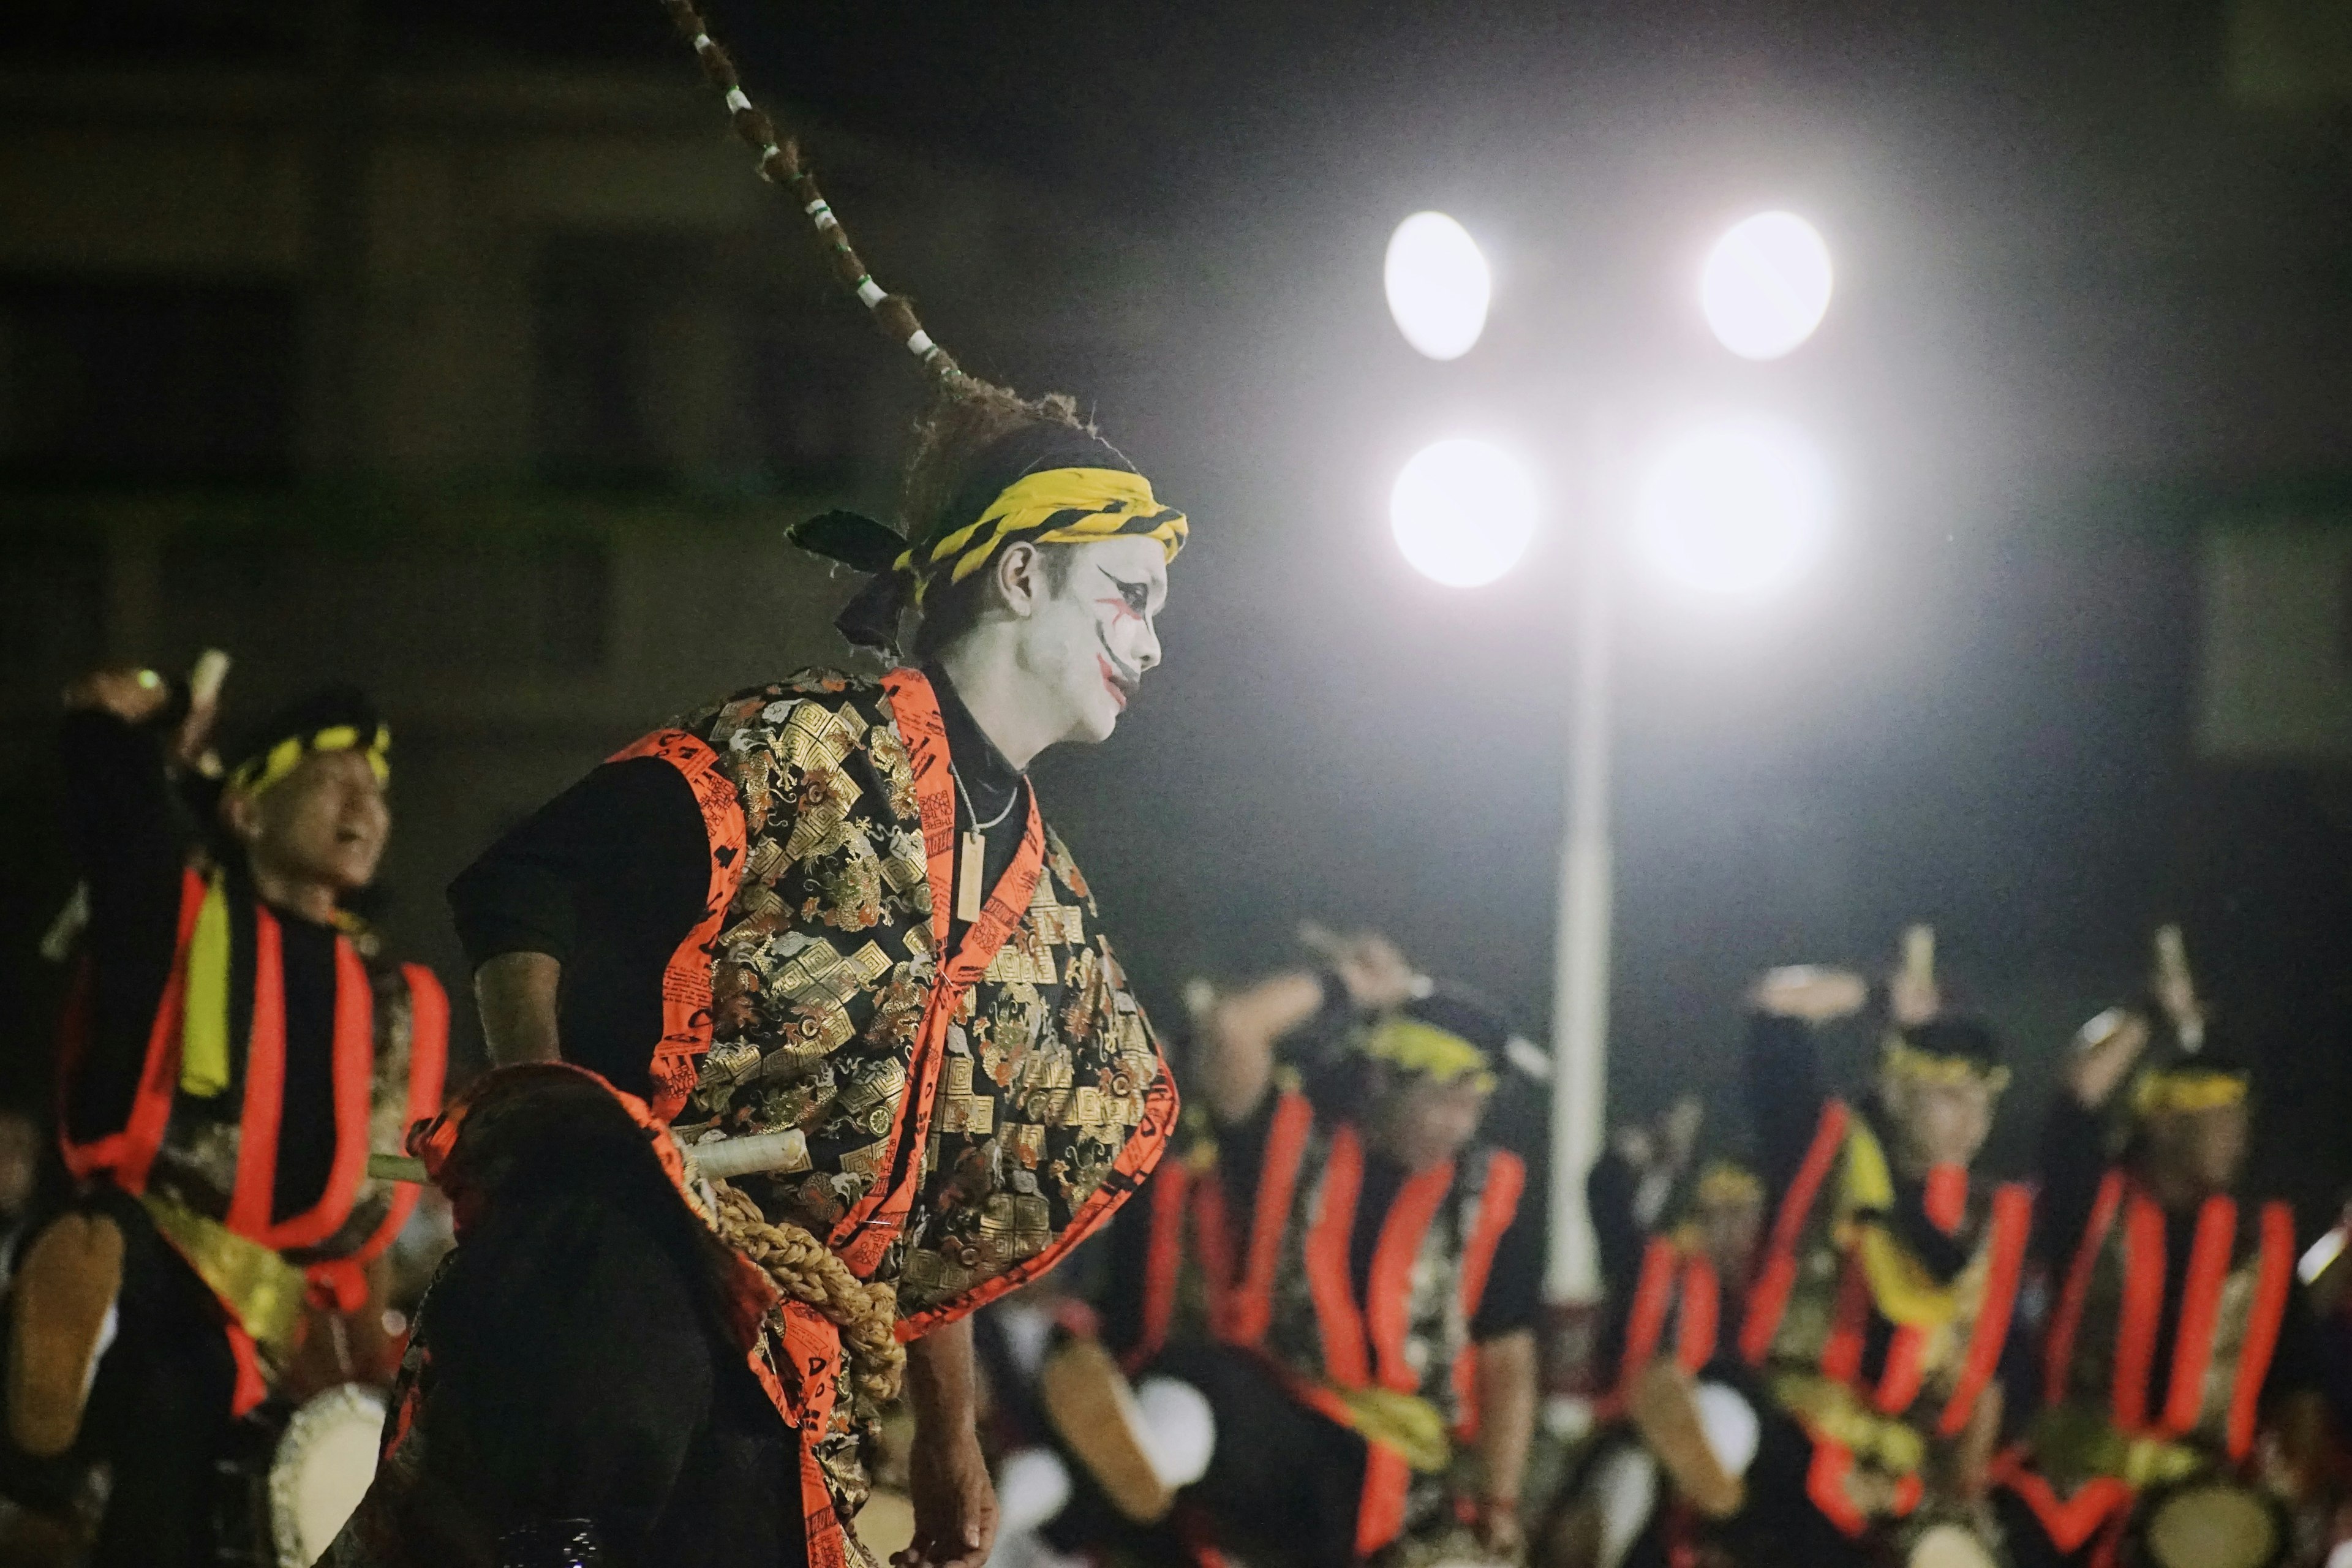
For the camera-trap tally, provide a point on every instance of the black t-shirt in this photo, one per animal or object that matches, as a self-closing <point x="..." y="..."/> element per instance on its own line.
<point x="610" y="877"/>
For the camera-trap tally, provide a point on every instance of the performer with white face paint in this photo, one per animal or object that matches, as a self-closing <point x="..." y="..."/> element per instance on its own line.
<point x="816" y="935"/>
<point x="810" y="1042"/>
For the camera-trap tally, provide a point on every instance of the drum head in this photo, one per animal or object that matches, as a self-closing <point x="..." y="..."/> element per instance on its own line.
<point x="1948" y="1546"/>
<point x="2216" y="1524"/>
<point x="321" y="1469"/>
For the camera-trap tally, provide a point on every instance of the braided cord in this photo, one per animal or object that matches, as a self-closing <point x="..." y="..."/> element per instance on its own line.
<point x="807" y="1271"/>
<point x="780" y="164"/>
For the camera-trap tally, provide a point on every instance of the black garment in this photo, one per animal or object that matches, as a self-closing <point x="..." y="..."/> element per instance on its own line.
<point x="1286" y="1484"/>
<point x="2072" y="1165"/>
<point x="609" y="877"/>
<point x="578" y="1366"/>
<point x="131" y="838"/>
<point x="157" y="1415"/>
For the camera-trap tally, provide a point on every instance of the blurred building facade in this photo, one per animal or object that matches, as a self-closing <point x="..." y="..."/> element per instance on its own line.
<point x="491" y="389"/>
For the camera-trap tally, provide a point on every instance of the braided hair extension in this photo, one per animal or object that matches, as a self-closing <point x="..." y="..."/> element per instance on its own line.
<point x="807" y="1271"/>
<point x="780" y="164"/>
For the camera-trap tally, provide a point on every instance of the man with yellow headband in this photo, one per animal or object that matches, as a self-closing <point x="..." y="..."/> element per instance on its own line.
<point x="1348" y="1270"/>
<point x="809" y="1043"/>
<point x="2179" y="1334"/>
<point x="235" y="1048"/>
<point x="1877" y="1321"/>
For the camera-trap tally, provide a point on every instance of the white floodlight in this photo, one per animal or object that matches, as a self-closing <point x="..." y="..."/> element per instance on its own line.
<point x="1437" y="284"/>
<point x="1737" y="508"/>
<point x="1462" y="511"/>
<point x="1766" y="285"/>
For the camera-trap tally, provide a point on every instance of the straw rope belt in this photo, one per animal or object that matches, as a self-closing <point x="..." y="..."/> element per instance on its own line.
<point x="807" y="1271"/>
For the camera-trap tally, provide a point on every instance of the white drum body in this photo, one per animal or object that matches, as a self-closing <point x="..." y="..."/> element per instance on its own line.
<point x="321" y="1468"/>
<point x="1949" y="1546"/>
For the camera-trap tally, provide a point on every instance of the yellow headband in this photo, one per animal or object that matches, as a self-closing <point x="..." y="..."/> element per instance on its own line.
<point x="1725" y="1182"/>
<point x="1416" y="1046"/>
<point x="258" y="774"/>
<point x="1051" y="505"/>
<point x="2186" y="1089"/>
<point x="1940" y="1071"/>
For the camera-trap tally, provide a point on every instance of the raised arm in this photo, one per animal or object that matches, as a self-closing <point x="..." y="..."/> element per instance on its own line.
<point x="1241" y="1030"/>
<point x="1785" y="1092"/>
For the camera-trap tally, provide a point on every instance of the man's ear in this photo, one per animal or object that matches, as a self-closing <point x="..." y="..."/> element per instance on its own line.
<point x="1021" y="578"/>
<point x="241" y="815"/>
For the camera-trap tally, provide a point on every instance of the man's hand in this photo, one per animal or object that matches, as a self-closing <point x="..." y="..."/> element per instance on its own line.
<point x="955" y="1506"/>
<point x="134" y="696"/>
<point x="947" y="1476"/>
<point x="2103" y="1054"/>
<point x="1372" y="968"/>
<point x="1811" y="992"/>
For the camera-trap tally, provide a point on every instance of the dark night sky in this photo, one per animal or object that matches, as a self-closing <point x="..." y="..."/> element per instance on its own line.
<point x="2084" y="301"/>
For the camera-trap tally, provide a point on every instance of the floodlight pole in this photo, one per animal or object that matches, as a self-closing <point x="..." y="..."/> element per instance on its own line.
<point x="1581" y="938"/>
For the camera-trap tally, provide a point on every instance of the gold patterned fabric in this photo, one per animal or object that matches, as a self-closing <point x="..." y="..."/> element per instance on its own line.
<point x="819" y="979"/>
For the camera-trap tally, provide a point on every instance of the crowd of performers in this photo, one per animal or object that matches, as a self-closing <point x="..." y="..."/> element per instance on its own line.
<point x="810" y="1061"/>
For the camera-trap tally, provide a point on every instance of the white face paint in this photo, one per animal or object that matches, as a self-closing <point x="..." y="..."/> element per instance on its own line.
<point x="1085" y="648"/>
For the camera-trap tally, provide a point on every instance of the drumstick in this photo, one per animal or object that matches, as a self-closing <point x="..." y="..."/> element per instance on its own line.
<point x="786" y="1150"/>
<point x="205" y="681"/>
<point x="1919" y="954"/>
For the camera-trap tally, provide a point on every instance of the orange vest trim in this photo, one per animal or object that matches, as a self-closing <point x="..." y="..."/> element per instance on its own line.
<point x="2068" y="1320"/>
<point x="2142" y="1307"/>
<point x="1212" y="1237"/>
<point x="1498" y="1205"/>
<point x="2070" y="1523"/>
<point x="1379" y="1511"/>
<point x="686" y="1012"/>
<point x="250" y="1205"/>
<point x="875" y="1220"/>
<point x="1653" y="1298"/>
<point x="128" y="1153"/>
<point x="872" y="1224"/>
<point x="2200" y="1305"/>
<point x="1345" y="1358"/>
<point x="344" y="1279"/>
<point x="1251" y="1312"/>
<point x="2271" y="1285"/>
<point x="1388" y="1307"/>
<point x="1163" y="1261"/>
<point x="2012" y="1227"/>
<point x="1702" y="1311"/>
<point x="1777" y="1276"/>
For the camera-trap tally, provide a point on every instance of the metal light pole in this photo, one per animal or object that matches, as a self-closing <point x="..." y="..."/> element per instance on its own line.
<point x="1765" y="288"/>
<point x="1581" y="939"/>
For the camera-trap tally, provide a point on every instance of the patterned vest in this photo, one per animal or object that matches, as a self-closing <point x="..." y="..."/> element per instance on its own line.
<point x="1832" y="1282"/>
<point x="2114" y="1421"/>
<point x="1278" y="1281"/>
<point x="961" y="1131"/>
<point x="206" y="1171"/>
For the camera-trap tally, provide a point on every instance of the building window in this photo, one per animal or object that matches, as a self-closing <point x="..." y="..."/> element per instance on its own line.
<point x="146" y="381"/>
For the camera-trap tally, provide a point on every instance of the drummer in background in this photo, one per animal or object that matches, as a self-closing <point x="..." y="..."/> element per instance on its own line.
<point x="1879" y="1315"/>
<point x="2178" y="1332"/>
<point x="1682" y="1397"/>
<point x="235" y="1047"/>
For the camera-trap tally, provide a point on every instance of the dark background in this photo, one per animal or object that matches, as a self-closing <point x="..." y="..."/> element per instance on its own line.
<point x="2092" y="297"/>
